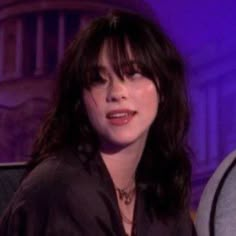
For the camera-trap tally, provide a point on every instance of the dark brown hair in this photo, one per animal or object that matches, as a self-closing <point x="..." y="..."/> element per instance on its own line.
<point x="164" y="171"/>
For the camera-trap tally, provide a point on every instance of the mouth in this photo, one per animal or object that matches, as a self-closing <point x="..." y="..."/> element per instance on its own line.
<point x="120" y="117"/>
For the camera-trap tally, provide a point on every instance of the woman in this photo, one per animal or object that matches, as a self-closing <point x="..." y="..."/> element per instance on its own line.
<point x="111" y="158"/>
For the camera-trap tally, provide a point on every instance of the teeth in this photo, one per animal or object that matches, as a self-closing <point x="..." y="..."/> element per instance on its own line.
<point x="117" y="115"/>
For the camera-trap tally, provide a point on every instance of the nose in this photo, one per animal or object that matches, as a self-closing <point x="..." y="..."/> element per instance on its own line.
<point x="116" y="90"/>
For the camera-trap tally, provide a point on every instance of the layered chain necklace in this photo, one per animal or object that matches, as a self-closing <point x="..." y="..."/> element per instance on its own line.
<point x="126" y="195"/>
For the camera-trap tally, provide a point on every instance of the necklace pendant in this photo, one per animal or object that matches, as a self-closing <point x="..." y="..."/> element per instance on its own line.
<point x="124" y="196"/>
<point x="120" y="193"/>
<point x="128" y="200"/>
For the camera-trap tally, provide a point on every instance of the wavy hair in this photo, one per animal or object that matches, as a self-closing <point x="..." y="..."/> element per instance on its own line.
<point x="164" y="171"/>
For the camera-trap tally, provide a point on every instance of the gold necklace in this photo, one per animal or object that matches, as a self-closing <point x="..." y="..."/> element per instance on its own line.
<point x="126" y="219"/>
<point x="127" y="193"/>
<point x="126" y="196"/>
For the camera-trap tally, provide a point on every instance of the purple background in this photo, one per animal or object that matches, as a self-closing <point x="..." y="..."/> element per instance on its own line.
<point x="203" y="30"/>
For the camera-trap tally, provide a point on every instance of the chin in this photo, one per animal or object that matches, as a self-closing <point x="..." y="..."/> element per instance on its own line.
<point x="121" y="142"/>
<point x="124" y="139"/>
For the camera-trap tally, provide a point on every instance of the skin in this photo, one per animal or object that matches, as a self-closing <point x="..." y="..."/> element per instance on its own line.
<point x="122" y="139"/>
<point x="135" y="93"/>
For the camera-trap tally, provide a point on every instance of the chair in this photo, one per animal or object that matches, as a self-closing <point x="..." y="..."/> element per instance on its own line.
<point x="216" y="214"/>
<point x="10" y="176"/>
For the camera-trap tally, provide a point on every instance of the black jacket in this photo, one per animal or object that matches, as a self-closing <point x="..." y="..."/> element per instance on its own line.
<point x="67" y="196"/>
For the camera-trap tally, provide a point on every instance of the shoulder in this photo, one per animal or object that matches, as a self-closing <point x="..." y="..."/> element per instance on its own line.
<point x="56" y="181"/>
<point x="54" y="176"/>
<point x="48" y="198"/>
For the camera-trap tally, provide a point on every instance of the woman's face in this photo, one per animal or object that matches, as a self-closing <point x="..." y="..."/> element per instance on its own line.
<point x="121" y="110"/>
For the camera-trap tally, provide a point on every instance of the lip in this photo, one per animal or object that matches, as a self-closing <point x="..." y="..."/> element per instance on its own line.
<point x="120" y="117"/>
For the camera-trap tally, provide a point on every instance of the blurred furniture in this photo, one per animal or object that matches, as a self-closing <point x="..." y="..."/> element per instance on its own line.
<point x="33" y="37"/>
<point x="216" y="214"/>
<point x="23" y="105"/>
<point x="10" y="176"/>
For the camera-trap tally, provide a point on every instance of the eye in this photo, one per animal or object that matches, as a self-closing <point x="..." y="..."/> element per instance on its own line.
<point x="132" y="71"/>
<point x="133" y="75"/>
<point x="99" y="81"/>
<point x="137" y="75"/>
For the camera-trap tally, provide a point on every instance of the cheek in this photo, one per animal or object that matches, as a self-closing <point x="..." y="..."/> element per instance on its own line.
<point x="88" y="101"/>
<point x="150" y="102"/>
<point x="153" y="96"/>
<point x="149" y="96"/>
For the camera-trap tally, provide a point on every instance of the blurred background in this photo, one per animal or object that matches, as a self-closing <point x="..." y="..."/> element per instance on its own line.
<point x="34" y="34"/>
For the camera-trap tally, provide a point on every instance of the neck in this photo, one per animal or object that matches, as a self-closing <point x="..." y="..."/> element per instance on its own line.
<point x="122" y="163"/>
